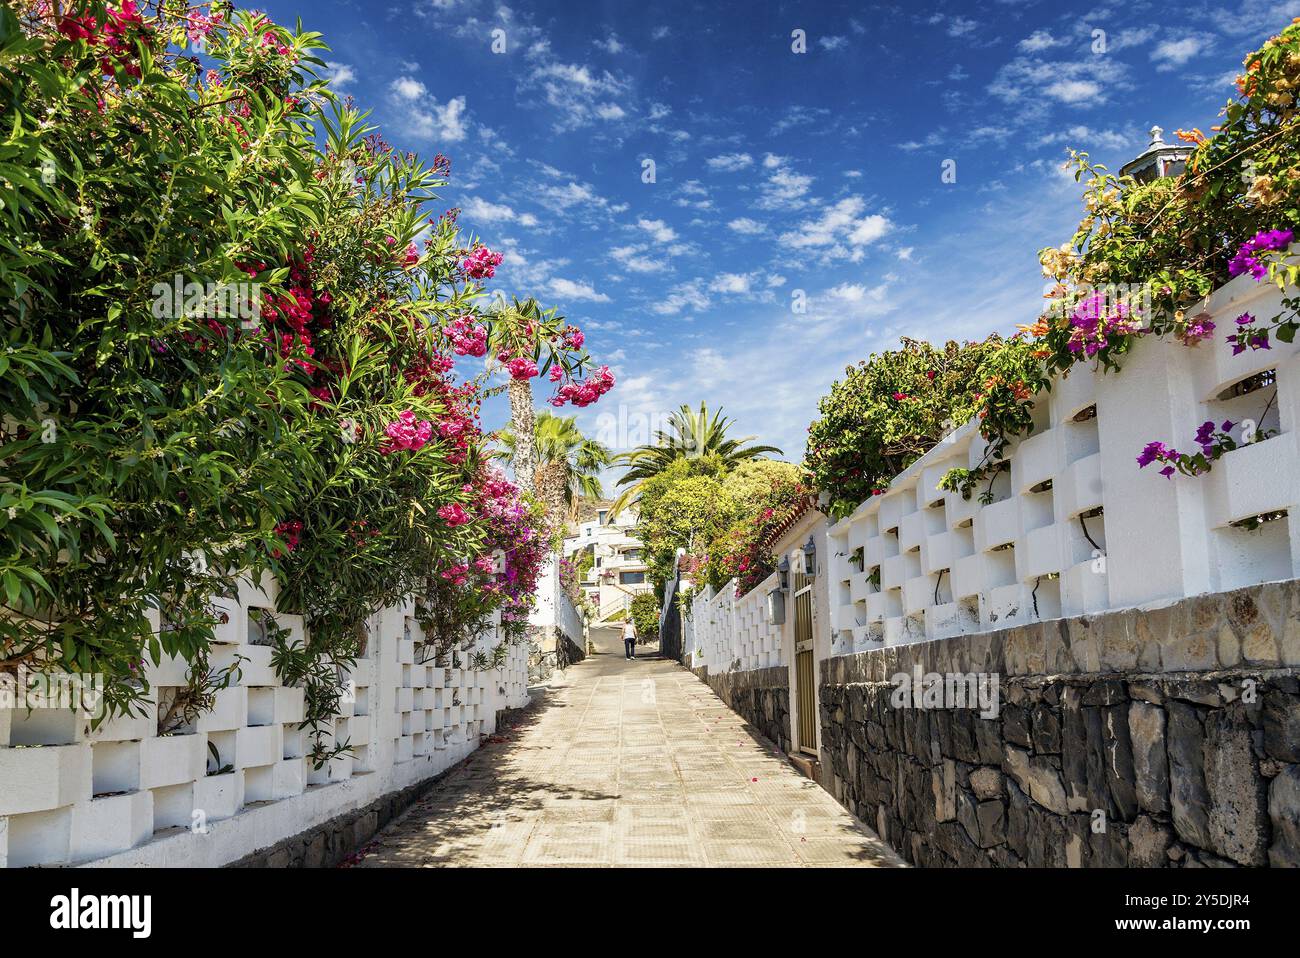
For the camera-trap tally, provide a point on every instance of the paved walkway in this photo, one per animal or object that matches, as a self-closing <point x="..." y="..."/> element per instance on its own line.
<point x="626" y="763"/>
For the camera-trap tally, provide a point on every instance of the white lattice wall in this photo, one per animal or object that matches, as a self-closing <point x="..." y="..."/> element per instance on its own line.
<point x="1075" y="526"/>
<point x="730" y="630"/>
<point x="123" y="795"/>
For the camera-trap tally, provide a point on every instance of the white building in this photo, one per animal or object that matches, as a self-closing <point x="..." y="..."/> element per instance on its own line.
<point x="618" y="570"/>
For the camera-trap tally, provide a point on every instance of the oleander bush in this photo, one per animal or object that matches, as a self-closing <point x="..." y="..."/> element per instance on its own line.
<point x="232" y="316"/>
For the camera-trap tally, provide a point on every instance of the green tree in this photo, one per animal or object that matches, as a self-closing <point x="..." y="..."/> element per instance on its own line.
<point x="685" y="506"/>
<point x="690" y="434"/>
<point x="566" y="463"/>
<point x="645" y="616"/>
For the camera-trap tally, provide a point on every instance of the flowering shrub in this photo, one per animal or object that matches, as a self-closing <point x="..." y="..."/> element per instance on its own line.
<point x="1142" y="256"/>
<point x="894" y="407"/>
<point x="157" y="447"/>
<point x="764" y="492"/>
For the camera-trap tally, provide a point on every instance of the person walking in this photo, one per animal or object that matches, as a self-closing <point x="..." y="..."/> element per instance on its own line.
<point x="629" y="639"/>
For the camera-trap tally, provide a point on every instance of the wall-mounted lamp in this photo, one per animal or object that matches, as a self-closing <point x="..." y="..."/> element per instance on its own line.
<point x="810" y="558"/>
<point x="783" y="573"/>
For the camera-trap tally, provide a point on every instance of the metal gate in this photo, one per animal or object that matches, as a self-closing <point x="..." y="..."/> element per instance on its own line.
<point x="804" y="667"/>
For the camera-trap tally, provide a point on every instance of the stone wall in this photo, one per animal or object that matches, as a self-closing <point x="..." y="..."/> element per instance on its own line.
<point x="1166" y="737"/>
<point x="760" y="696"/>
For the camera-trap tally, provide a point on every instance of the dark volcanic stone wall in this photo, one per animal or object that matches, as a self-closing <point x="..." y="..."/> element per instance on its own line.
<point x="1159" y="738"/>
<point x="760" y="696"/>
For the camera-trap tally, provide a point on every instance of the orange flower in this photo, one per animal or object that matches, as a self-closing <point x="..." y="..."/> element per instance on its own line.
<point x="1038" y="329"/>
<point x="1190" y="136"/>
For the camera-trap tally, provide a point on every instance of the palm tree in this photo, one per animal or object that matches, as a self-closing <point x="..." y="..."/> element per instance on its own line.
<point x="567" y="463"/>
<point x="511" y="333"/>
<point x="690" y="435"/>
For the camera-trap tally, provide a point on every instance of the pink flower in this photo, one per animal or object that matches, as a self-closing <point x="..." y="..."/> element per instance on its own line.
<point x="522" y="367"/>
<point x="412" y="256"/>
<point x="406" y="433"/>
<point x="574" y="338"/>
<point x="481" y="263"/>
<point x="453" y="514"/>
<point x="467" y="337"/>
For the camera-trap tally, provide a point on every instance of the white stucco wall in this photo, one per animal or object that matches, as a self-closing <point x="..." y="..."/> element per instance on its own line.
<point x="1155" y="539"/>
<point x="122" y="795"/>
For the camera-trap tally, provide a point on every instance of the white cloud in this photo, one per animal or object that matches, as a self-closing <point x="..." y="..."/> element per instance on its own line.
<point x="1170" y="54"/>
<point x="339" y="74"/>
<point x="632" y="258"/>
<point x="1073" y="91"/>
<point x="730" y="162"/>
<point x="960" y="26"/>
<point x="1038" y="41"/>
<point x="408" y="88"/>
<point x="581" y="94"/>
<point x="1090" y="81"/>
<point x="833" y="43"/>
<point x="572" y="291"/>
<point x="660" y="231"/>
<point x="840" y="232"/>
<point x="478" y="210"/>
<point x="730" y="283"/>
<point x="784" y="188"/>
<point x="746" y="226"/>
<point x="611" y="44"/>
<point x="423" y="117"/>
<point x="1081" y="137"/>
<point x="682" y="296"/>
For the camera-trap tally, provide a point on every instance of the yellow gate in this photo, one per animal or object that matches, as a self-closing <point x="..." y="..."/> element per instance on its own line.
<point x="804" y="666"/>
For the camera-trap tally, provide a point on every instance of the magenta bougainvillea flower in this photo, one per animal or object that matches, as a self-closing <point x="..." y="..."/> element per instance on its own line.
<point x="1246" y="260"/>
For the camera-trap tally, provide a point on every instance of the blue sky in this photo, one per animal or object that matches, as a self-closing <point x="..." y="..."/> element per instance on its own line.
<point x="777" y="174"/>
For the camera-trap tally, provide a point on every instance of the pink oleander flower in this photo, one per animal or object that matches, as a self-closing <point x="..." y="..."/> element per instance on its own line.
<point x="406" y="433"/>
<point x="468" y="338"/>
<point x="412" y="256"/>
<point x="453" y="514"/>
<point x="522" y="367"/>
<point x="481" y="263"/>
<point x="585" y="393"/>
<point x="289" y="533"/>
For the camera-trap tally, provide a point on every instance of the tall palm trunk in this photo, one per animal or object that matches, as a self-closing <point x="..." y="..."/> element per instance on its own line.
<point x="520" y="392"/>
<point x="552" y="486"/>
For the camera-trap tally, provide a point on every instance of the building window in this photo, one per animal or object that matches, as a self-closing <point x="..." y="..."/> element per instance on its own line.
<point x="632" y="555"/>
<point x="631" y="578"/>
<point x="600" y="516"/>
